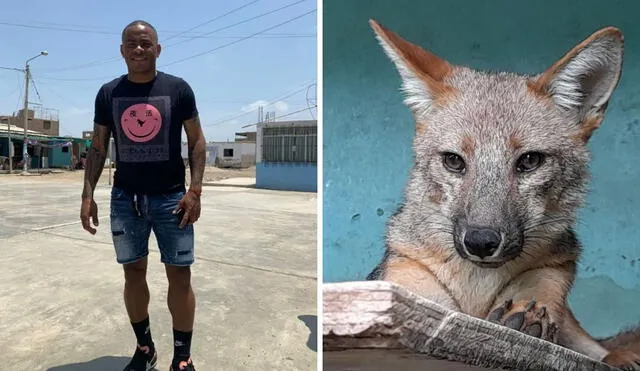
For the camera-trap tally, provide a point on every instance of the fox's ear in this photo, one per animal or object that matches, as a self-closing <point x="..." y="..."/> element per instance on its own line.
<point x="422" y="72"/>
<point x="584" y="79"/>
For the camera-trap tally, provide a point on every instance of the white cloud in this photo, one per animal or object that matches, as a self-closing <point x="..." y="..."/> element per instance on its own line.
<point x="279" y="106"/>
<point x="78" y="111"/>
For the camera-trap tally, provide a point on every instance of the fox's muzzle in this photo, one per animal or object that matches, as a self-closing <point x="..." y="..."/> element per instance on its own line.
<point x="486" y="229"/>
<point x="481" y="242"/>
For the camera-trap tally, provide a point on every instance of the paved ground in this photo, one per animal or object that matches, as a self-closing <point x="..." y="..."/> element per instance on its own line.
<point x="61" y="291"/>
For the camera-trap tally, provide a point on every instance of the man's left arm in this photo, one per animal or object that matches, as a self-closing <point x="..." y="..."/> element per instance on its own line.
<point x="196" y="145"/>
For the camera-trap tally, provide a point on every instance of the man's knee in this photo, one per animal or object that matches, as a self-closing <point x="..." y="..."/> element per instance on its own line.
<point x="179" y="276"/>
<point x="136" y="272"/>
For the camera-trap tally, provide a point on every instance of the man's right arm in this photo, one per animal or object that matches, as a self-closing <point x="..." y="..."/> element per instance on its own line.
<point x="96" y="157"/>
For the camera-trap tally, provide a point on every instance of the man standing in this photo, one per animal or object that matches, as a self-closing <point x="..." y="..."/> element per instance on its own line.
<point x="145" y="110"/>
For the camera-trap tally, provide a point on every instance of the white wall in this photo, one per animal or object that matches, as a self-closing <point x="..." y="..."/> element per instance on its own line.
<point x="216" y="150"/>
<point x="240" y="150"/>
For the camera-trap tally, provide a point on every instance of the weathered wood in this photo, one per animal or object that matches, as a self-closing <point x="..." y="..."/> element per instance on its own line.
<point x="379" y="320"/>
<point x="389" y="360"/>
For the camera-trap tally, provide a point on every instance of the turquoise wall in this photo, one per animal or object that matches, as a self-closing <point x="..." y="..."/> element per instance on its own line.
<point x="4" y="146"/>
<point x="368" y="131"/>
<point x="301" y="177"/>
<point x="58" y="158"/>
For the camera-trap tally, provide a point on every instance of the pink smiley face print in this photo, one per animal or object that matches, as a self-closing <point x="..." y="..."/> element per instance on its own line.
<point x="141" y="122"/>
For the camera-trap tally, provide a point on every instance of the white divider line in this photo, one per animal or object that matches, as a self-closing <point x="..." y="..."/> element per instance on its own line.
<point x="62" y="224"/>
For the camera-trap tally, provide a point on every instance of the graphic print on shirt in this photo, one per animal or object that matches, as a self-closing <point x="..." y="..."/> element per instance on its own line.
<point x="143" y="125"/>
<point x="141" y="122"/>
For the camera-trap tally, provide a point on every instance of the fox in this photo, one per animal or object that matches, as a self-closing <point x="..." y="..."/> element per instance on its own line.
<point x="500" y="168"/>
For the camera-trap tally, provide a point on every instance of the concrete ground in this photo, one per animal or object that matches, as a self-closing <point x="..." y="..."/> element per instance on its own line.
<point x="61" y="303"/>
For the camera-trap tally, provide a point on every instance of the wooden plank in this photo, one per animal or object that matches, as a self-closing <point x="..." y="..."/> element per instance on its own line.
<point x="389" y="360"/>
<point x="370" y="321"/>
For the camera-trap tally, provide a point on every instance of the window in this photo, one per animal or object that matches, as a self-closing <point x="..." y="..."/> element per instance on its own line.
<point x="65" y="149"/>
<point x="290" y="144"/>
<point x="227" y="152"/>
<point x="46" y="125"/>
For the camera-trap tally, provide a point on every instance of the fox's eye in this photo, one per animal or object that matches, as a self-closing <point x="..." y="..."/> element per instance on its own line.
<point x="453" y="162"/>
<point x="529" y="162"/>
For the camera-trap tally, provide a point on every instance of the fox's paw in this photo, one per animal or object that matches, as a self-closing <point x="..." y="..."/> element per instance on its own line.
<point x="527" y="317"/>
<point x="624" y="360"/>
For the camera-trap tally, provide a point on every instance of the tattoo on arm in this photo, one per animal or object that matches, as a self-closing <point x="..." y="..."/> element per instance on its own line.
<point x="96" y="157"/>
<point x="197" y="151"/>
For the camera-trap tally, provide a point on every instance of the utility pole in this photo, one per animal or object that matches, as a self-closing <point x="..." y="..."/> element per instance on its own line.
<point x="13" y="116"/>
<point x="25" y="119"/>
<point x="25" y="111"/>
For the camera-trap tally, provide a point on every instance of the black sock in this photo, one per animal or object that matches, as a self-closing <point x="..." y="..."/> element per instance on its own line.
<point x="181" y="346"/>
<point x="142" y="330"/>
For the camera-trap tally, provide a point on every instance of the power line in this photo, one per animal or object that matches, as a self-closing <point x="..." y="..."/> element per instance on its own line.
<point x="65" y="24"/>
<point x="310" y="101"/>
<point x="274" y="36"/>
<point x="199" y="54"/>
<point x="33" y="83"/>
<point x="250" y="112"/>
<point x="239" y="40"/>
<point x="88" y="30"/>
<point x="20" y="96"/>
<point x="16" y="89"/>
<point x="212" y="20"/>
<point x="84" y="29"/>
<point x="175" y="34"/>
<point x="84" y="65"/>
<point x="178" y="34"/>
<point x="241" y="22"/>
<point x="113" y="59"/>
<point x="279" y="117"/>
<point x="294" y="112"/>
<point x="263" y="36"/>
<point x="270" y="103"/>
<point x="68" y="27"/>
<point x="80" y="79"/>
<point x="104" y="61"/>
<point x="11" y="69"/>
<point x="63" y="29"/>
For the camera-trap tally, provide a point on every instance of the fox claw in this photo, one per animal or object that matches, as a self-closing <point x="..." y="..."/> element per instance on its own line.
<point x="525" y="316"/>
<point x="623" y="360"/>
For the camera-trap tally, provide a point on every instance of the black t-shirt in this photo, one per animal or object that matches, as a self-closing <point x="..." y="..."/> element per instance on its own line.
<point x="146" y="123"/>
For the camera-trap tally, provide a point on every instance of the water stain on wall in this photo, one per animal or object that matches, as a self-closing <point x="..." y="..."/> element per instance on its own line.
<point x="602" y="306"/>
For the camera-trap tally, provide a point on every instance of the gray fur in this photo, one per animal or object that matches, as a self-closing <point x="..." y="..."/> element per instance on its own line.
<point x="489" y="109"/>
<point x="490" y="120"/>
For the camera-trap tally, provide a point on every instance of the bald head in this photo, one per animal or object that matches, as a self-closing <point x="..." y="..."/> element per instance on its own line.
<point x="139" y="25"/>
<point x="140" y="49"/>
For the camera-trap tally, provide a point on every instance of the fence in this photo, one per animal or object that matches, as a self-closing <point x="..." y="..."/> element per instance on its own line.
<point x="290" y="144"/>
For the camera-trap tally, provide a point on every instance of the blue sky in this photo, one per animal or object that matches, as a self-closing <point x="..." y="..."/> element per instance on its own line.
<point x="276" y="68"/>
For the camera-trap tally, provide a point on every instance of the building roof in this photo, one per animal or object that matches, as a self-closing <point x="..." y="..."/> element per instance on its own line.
<point x="18" y="132"/>
<point x="4" y="129"/>
<point x="281" y="123"/>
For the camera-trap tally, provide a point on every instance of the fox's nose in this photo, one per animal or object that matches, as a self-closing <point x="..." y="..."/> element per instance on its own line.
<point x="482" y="241"/>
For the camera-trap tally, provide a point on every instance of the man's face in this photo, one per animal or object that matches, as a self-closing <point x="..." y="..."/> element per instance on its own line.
<point x="140" y="49"/>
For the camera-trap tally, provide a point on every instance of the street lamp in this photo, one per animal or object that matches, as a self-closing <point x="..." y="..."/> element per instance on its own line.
<point x="25" y="111"/>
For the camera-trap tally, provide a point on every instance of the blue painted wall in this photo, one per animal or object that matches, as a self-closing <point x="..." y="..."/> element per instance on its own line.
<point x="368" y="131"/>
<point x="301" y="177"/>
<point x="4" y="146"/>
<point x="57" y="158"/>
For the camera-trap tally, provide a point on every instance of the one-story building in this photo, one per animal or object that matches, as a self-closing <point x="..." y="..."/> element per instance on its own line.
<point x="287" y="155"/>
<point x="44" y="151"/>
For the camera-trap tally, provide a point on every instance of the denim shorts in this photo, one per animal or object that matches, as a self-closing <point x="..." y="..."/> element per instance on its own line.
<point x="134" y="216"/>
